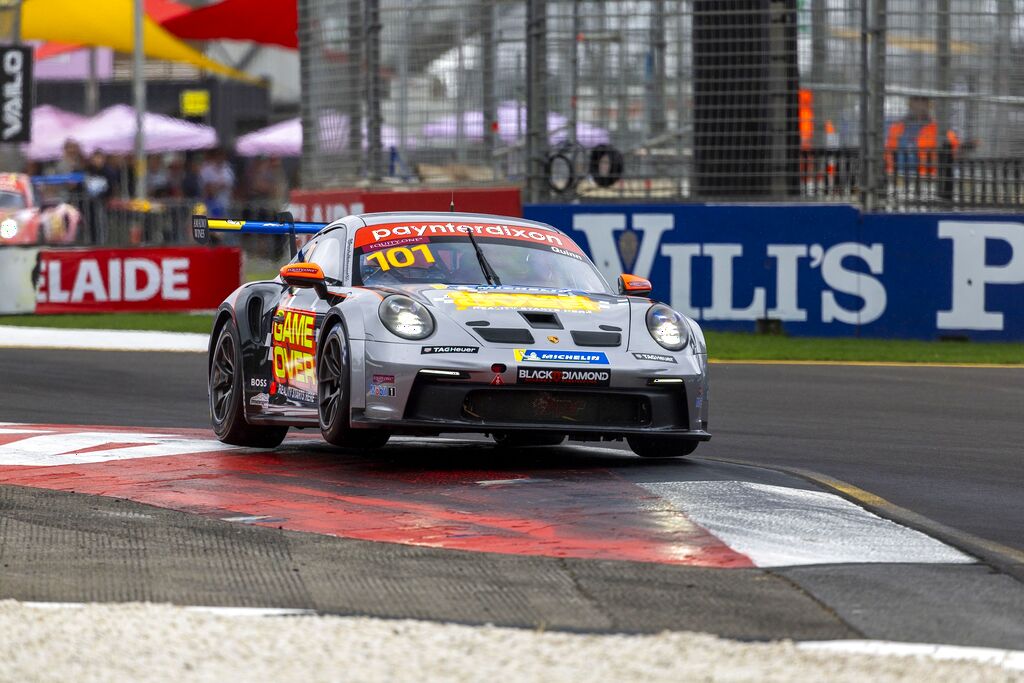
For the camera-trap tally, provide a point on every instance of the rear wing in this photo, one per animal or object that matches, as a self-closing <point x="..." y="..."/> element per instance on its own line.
<point x="284" y="225"/>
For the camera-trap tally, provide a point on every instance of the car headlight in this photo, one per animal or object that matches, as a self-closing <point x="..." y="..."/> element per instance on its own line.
<point x="406" y="318"/>
<point x="668" y="327"/>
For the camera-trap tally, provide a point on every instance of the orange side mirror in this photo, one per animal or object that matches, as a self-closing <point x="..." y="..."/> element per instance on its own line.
<point x="305" y="275"/>
<point x="634" y="286"/>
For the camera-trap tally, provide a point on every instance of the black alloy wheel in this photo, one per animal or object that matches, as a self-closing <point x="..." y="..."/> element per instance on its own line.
<point x="332" y="374"/>
<point x="227" y="398"/>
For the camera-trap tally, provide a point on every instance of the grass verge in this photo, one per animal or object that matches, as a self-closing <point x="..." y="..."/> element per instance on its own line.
<point x="723" y="346"/>
<point x="738" y="346"/>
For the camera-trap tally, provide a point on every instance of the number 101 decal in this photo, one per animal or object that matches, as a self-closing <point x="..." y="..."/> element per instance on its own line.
<point x="400" y="257"/>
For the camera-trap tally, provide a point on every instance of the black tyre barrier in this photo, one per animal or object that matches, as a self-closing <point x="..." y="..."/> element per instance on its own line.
<point x="606" y="165"/>
<point x="560" y="172"/>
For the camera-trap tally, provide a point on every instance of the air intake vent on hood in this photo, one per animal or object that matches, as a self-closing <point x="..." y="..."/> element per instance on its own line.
<point x="505" y="335"/>
<point x="542" y="321"/>
<point x="581" y="338"/>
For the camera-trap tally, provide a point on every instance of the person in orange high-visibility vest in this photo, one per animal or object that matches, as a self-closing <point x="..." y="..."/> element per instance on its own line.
<point x="912" y="142"/>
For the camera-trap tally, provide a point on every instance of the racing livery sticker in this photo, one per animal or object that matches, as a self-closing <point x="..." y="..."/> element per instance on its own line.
<point x="551" y="356"/>
<point x="577" y="376"/>
<point x="382" y="386"/>
<point x="411" y="233"/>
<point x="659" y="357"/>
<point x="449" y="349"/>
<point x="294" y="354"/>
<point x="545" y="302"/>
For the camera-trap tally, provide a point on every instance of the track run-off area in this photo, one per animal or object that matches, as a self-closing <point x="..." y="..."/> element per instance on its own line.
<point x="833" y="503"/>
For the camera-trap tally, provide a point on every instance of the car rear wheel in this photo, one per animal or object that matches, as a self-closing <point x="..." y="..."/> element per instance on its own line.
<point x="333" y="400"/>
<point x="523" y="439"/>
<point x="661" y="446"/>
<point x="226" y="397"/>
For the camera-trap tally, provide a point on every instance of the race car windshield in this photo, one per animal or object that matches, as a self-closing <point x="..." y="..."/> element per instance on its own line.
<point x="551" y="261"/>
<point x="12" y="200"/>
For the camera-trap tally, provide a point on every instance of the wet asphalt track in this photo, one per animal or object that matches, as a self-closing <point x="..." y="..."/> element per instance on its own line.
<point x="943" y="443"/>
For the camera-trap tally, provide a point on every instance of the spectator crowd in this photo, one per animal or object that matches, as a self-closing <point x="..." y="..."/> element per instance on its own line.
<point x="175" y="182"/>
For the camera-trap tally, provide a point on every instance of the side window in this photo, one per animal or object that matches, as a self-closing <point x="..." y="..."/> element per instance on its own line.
<point x="304" y="251"/>
<point x="327" y="255"/>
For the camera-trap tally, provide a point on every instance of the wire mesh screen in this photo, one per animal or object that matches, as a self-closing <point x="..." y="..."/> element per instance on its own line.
<point x="892" y="104"/>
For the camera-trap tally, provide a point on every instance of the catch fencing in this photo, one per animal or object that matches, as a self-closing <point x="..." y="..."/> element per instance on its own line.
<point x="892" y="105"/>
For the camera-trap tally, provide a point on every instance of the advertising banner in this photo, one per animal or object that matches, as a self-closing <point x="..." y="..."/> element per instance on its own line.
<point x="16" y="93"/>
<point x="821" y="270"/>
<point x="113" y="280"/>
<point x="329" y="205"/>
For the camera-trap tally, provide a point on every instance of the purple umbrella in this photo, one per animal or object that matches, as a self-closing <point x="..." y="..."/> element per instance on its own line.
<point x="285" y="138"/>
<point x="50" y="128"/>
<point x="282" y="139"/>
<point x="113" y="131"/>
<point x="511" y="127"/>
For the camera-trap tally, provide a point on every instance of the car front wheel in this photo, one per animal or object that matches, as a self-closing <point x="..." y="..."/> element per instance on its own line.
<point x="333" y="399"/>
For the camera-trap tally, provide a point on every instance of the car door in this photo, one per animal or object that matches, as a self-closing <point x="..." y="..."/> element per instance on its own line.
<point x="296" y="331"/>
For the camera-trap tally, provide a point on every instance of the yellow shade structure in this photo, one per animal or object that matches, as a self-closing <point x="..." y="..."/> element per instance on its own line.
<point x="108" y="23"/>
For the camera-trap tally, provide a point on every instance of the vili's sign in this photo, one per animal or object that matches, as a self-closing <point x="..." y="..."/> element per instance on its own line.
<point x="821" y="270"/>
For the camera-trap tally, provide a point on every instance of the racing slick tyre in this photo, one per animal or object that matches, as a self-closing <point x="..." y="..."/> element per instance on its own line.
<point x="660" y="447"/>
<point x="332" y="374"/>
<point x="523" y="439"/>
<point x="226" y="396"/>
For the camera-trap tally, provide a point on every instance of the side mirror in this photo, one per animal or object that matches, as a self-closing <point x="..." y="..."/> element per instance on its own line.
<point x="305" y="275"/>
<point x="634" y="286"/>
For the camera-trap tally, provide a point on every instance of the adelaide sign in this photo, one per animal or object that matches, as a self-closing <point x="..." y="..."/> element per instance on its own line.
<point x="109" y="280"/>
<point x="821" y="270"/>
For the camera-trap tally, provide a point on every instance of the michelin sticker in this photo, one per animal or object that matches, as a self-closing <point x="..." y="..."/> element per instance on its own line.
<point x="549" y="356"/>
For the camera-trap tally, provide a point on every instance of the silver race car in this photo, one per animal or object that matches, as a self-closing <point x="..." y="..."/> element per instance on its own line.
<point x="423" y="323"/>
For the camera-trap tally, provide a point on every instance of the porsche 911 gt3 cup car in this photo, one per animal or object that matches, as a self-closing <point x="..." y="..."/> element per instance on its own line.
<point x="423" y="323"/>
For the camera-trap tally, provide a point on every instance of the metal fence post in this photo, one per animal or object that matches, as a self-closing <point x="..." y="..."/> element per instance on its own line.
<point x="536" y="98"/>
<point x="656" y="122"/>
<point x="373" y="90"/>
<point x="353" y="103"/>
<point x="873" y="103"/>
<point x="487" y="64"/>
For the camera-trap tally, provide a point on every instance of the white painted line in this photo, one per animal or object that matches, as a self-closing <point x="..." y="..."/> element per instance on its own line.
<point x="12" y="336"/>
<point x="776" y="526"/>
<point x="47" y="450"/>
<point x="219" y="611"/>
<point x="1008" y="659"/>
<point x="253" y="519"/>
<point x="505" y="482"/>
<point x="13" y="430"/>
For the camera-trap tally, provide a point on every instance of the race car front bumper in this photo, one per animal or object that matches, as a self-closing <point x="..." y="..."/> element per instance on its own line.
<point x="472" y="393"/>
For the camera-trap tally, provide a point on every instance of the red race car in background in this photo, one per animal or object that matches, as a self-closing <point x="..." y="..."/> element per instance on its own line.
<point x="34" y="203"/>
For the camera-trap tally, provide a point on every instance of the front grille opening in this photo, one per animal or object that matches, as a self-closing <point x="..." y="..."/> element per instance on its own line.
<point x="556" y="407"/>
<point x="585" y="338"/>
<point x="542" y="321"/>
<point x="505" y="335"/>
